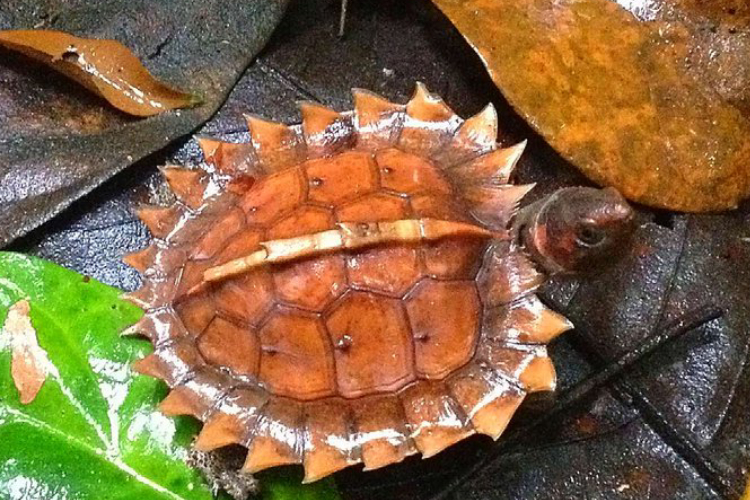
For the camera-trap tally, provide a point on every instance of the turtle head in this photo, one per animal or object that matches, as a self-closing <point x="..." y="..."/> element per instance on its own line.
<point x="578" y="229"/>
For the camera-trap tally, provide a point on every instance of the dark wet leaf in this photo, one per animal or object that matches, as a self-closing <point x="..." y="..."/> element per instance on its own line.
<point x="106" y="67"/>
<point x="57" y="142"/>
<point x="618" y="444"/>
<point x="653" y="102"/>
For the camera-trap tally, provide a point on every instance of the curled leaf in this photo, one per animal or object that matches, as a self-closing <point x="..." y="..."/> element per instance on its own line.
<point x="29" y="361"/>
<point x="106" y="67"/>
<point x="649" y="101"/>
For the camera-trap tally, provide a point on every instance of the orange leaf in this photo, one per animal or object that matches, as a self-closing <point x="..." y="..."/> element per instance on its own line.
<point x="106" y="67"/>
<point x="29" y="361"/>
<point x="650" y="102"/>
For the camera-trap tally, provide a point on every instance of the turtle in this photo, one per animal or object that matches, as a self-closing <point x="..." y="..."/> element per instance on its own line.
<point x="361" y="286"/>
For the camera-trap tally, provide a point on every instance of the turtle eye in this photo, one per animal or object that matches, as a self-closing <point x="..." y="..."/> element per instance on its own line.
<point x="589" y="235"/>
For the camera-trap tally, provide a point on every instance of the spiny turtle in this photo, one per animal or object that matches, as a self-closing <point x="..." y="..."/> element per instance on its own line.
<point x="359" y="288"/>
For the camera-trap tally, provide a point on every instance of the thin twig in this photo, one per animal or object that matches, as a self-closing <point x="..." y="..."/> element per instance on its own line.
<point x="342" y="20"/>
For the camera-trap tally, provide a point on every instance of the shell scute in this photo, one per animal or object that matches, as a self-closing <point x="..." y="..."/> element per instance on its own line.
<point x="196" y="313"/>
<point x="329" y="444"/>
<point x="362" y="326"/>
<point x="296" y="358"/>
<point x="407" y="173"/>
<point x="308" y="283"/>
<point x="374" y="207"/>
<point x="453" y="258"/>
<point x="246" y="298"/>
<point x="488" y="399"/>
<point x="233" y="420"/>
<point x="219" y="234"/>
<point x="278" y="437"/>
<point x="435" y="417"/>
<point x="273" y="196"/>
<point x="343" y="177"/>
<point x="304" y="220"/>
<point x="390" y="270"/>
<point x="382" y="431"/>
<point x="444" y="323"/>
<point x="225" y="343"/>
<point x="312" y="283"/>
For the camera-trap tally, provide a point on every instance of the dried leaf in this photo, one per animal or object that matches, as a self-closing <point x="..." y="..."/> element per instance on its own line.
<point x="105" y="67"/>
<point x="29" y="361"/>
<point x="655" y="106"/>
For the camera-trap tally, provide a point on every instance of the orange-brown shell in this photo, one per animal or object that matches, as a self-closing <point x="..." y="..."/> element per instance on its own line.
<point x="345" y="355"/>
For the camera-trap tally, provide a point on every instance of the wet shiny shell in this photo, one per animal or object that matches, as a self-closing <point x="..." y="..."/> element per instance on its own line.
<point x="353" y="354"/>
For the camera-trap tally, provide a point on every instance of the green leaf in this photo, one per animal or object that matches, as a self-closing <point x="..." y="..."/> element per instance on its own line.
<point x="93" y="431"/>
<point x="284" y="484"/>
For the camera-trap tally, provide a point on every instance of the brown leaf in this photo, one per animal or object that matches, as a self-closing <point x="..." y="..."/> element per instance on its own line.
<point x="656" y="106"/>
<point x="28" y="366"/>
<point x="106" y="67"/>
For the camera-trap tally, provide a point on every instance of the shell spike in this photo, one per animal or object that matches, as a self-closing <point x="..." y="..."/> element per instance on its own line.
<point x="488" y="398"/>
<point x="316" y="117"/>
<point x="482" y="127"/>
<point x="324" y="129"/>
<point x="427" y="106"/>
<point x="429" y="123"/>
<point x="277" y="438"/>
<point x="539" y="375"/>
<point x="229" y="158"/>
<point x="322" y="455"/>
<point x="436" y="417"/>
<point x="188" y="185"/>
<point x="179" y="401"/>
<point x="495" y="205"/>
<point x="138" y="297"/>
<point x="142" y="328"/>
<point x="150" y="366"/>
<point x="494" y="167"/>
<point x="514" y="154"/>
<point x="142" y="259"/>
<point x="474" y="137"/>
<point x="220" y="430"/>
<point x="233" y="421"/>
<point x="377" y="121"/>
<point x="276" y="145"/>
<point x="209" y="146"/>
<point x="159" y="220"/>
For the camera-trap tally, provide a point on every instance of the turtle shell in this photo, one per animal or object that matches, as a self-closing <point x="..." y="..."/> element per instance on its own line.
<point x="345" y="290"/>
